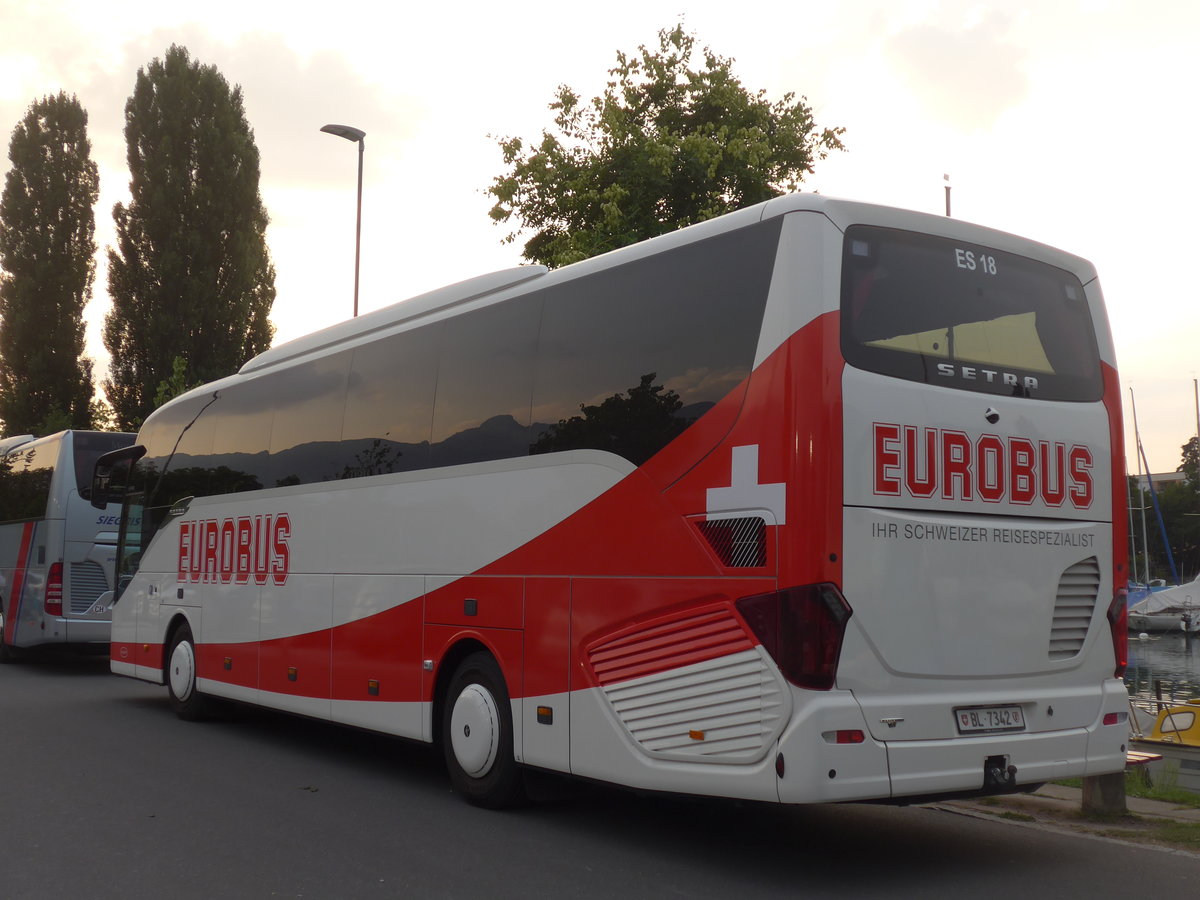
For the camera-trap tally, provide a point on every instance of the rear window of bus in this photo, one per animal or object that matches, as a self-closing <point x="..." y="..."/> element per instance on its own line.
<point x="957" y="314"/>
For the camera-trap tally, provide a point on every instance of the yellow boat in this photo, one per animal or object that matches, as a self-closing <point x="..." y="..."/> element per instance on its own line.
<point x="1176" y="736"/>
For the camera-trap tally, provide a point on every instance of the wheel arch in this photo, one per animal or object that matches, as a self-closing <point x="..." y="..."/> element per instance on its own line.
<point x="447" y="666"/>
<point x="177" y="621"/>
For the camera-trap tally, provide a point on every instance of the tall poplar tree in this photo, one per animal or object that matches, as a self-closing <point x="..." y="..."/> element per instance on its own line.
<point x="191" y="276"/>
<point x="47" y="267"/>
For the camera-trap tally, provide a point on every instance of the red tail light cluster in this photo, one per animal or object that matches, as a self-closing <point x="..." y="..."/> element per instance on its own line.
<point x="54" y="588"/>
<point x="1118" y="621"/>
<point x="802" y="629"/>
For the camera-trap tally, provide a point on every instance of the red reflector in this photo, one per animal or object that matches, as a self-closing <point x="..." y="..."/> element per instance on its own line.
<point x="1115" y="718"/>
<point x="849" y="737"/>
<point x="54" y="588"/>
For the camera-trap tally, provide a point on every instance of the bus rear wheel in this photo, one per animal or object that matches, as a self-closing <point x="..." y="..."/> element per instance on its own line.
<point x="8" y="653"/>
<point x="477" y="735"/>
<point x="189" y="704"/>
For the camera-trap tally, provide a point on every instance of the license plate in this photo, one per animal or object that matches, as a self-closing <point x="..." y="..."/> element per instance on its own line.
<point x="989" y="719"/>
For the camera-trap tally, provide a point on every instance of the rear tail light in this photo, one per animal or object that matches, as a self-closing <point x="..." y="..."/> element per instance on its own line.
<point x="1118" y="622"/>
<point x="54" y="588"/>
<point x="802" y="629"/>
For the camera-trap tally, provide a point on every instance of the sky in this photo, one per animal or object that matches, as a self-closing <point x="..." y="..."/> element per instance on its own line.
<point x="1072" y="122"/>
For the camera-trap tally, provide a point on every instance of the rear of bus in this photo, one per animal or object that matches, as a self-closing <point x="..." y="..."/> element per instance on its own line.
<point x="975" y="588"/>
<point x="58" y="552"/>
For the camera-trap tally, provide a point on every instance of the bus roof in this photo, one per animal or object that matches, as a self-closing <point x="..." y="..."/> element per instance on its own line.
<point x="841" y="212"/>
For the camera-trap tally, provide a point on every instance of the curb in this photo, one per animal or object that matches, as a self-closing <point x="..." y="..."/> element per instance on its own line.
<point x="1067" y="801"/>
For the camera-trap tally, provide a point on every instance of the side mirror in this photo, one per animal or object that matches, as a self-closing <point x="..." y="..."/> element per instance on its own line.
<point x="116" y="462"/>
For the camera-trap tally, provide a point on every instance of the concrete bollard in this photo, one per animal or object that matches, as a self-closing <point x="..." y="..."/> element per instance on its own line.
<point x="1105" y="794"/>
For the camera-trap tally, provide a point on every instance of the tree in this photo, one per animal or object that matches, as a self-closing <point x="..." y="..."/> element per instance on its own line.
<point x="191" y="276"/>
<point x="1190" y="465"/>
<point x="1179" y="504"/>
<point x="666" y="145"/>
<point x="47" y="253"/>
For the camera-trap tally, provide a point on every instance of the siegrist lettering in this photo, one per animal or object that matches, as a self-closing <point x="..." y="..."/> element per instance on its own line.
<point x="919" y="462"/>
<point x="234" y="550"/>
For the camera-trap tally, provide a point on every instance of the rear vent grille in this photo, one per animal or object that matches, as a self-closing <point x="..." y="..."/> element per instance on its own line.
<point x="1073" y="607"/>
<point x="87" y="584"/>
<point x="692" y="685"/>
<point x="739" y="543"/>
<point x="729" y="709"/>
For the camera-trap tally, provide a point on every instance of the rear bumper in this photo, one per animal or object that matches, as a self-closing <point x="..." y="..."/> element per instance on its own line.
<point x="944" y="767"/>
<point x="817" y="769"/>
<point x="47" y="630"/>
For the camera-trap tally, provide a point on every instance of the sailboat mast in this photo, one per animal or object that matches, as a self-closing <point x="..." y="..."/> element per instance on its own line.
<point x="1141" y="495"/>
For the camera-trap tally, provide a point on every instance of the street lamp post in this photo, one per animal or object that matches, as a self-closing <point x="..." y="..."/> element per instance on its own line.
<point x="351" y="133"/>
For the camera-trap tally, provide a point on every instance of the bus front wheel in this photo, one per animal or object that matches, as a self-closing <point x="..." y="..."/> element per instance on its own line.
<point x="186" y="700"/>
<point x="477" y="735"/>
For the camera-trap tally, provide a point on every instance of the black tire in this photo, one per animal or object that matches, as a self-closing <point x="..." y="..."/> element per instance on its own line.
<point x="8" y="654"/>
<point x="189" y="704"/>
<point x="477" y="735"/>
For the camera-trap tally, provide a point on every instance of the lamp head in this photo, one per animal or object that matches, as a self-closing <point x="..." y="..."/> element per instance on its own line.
<point x="349" y="132"/>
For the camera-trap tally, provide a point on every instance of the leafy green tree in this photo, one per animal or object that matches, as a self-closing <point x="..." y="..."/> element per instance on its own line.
<point x="47" y="255"/>
<point x="191" y="276"/>
<point x="1179" y="503"/>
<point x="1190" y="464"/>
<point x="175" y="385"/>
<point x="668" y="144"/>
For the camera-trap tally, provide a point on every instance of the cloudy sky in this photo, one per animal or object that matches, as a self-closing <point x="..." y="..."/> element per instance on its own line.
<point x="1068" y="121"/>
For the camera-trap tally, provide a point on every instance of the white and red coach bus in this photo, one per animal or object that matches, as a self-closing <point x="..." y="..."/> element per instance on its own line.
<point x="57" y="553"/>
<point x="817" y="501"/>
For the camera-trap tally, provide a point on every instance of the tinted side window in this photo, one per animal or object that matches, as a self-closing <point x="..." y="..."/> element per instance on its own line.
<point x="630" y="356"/>
<point x="241" y="453"/>
<point x="389" y="403"/>
<point x="25" y="477"/>
<point x="485" y="382"/>
<point x="178" y="445"/>
<point x="90" y="446"/>
<point x="309" y="401"/>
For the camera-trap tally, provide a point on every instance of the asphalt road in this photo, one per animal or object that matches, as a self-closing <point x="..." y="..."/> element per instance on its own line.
<point x="104" y="793"/>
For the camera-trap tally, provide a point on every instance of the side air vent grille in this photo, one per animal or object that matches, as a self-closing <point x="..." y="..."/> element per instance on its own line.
<point x="1074" y="604"/>
<point x="739" y="543"/>
<point x="692" y="685"/>
<point x="729" y="709"/>
<point x="87" y="584"/>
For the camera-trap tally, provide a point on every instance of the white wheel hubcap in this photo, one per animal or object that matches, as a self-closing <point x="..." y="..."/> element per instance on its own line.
<point x="183" y="671"/>
<point x="475" y="730"/>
